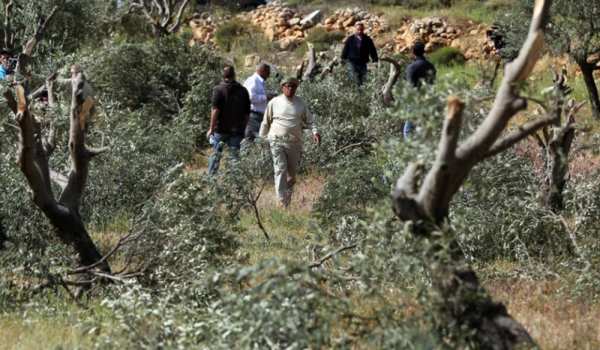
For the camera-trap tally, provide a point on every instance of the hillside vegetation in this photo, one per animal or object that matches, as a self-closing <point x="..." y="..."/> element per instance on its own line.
<point x="438" y="241"/>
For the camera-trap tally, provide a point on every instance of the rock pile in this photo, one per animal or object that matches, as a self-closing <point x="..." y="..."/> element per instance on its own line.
<point x="279" y="23"/>
<point x="477" y="42"/>
<point x="436" y="32"/>
<point x="345" y="19"/>
<point x="203" y="29"/>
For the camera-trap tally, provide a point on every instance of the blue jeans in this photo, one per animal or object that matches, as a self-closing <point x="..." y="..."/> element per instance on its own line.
<point x="253" y="126"/>
<point x="233" y="143"/>
<point x="357" y="72"/>
<point x="408" y="129"/>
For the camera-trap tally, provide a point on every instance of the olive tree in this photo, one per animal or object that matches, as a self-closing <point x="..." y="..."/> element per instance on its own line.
<point x="34" y="152"/>
<point x="164" y="16"/>
<point x="424" y="198"/>
<point x="575" y="31"/>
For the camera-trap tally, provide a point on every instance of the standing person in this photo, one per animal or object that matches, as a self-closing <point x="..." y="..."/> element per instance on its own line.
<point x="285" y="117"/>
<point x="357" y="49"/>
<point x="418" y="71"/>
<point x="255" y="85"/>
<point x="228" y="118"/>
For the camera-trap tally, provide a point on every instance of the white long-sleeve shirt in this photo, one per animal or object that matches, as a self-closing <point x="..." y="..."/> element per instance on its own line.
<point x="255" y="85"/>
<point x="284" y="119"/>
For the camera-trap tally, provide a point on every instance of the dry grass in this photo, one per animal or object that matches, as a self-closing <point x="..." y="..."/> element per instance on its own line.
<point x="553" y="320"/>
<point x="289" y="228"/>
<point x="19" y="334"/>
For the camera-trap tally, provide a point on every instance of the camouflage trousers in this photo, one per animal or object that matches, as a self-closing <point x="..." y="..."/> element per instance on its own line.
<point x="286" y="160"/>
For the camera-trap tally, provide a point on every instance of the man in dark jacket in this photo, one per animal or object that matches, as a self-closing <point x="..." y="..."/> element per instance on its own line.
<point x="357" y="49"/>
<point x="418" y="71"/>
<point x="228" y="118"/>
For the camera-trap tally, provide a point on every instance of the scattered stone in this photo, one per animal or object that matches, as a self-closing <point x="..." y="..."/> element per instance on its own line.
<point x="203" y="29"/>
<point x="251" y="60"/>
<point x="311" y="20"/>
<point x="436" y="32"/>
<point x="344" y="20"/>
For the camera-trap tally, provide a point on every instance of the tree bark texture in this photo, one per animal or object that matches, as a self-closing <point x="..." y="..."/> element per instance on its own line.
<point x="33" y="156"/>
<point x="556" y="141"/>
<point x="587" y="70"/>
<point x="424" y="198"/>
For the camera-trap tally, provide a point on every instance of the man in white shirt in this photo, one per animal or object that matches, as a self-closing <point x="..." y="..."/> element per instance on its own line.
<point x="255" y="85"/>
<point x="285" y="118"/>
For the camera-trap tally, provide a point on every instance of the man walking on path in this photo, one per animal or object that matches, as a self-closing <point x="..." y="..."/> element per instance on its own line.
<point x="418" y="71"/>
<point x="285" y="118"/>
<point x="357" y="49"/>
<point x="255" y="85"/>
<point x="228" y="118"/>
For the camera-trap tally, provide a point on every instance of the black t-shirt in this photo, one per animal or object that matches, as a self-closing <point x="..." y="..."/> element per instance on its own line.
<point x="233" y="102"/>
<point x="419" y="70"/>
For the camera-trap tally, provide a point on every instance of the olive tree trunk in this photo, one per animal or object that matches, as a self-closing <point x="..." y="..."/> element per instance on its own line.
<point x="164" y="16"/>
<point x="33" y="154"/>
<point x="587" y="70"/>
<point x="424" y="199"/>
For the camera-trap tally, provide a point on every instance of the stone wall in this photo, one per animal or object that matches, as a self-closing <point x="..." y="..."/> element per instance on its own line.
<point x="288" y="29"/>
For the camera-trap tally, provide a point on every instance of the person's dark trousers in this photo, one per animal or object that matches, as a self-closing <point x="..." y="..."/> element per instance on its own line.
<point x="253" y="127"/>
<point x="232" y="141"/>
<point x="358" y="72"/>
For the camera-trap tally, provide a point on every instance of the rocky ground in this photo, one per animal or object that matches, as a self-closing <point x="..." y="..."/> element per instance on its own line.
<point x="288" y="28"/>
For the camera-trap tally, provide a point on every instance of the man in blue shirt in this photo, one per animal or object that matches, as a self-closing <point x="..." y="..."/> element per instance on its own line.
<point x="418" y="71"/>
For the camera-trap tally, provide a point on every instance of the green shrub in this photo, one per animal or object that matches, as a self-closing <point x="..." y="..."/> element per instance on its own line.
<point x="231" y="32"/>
<point x="322" y="39"/>
<point x="447" y="56"/>
<point x="155" y="74"/>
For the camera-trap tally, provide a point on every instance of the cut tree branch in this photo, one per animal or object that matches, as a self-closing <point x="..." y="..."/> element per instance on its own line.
<point x="39" y="32"/>
<point x="522" y="132"/>
<point x="395" y="71"/>
<point x="330" y="255"/>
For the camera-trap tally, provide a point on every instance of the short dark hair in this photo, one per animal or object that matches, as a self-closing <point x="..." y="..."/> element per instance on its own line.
<point x="418" y="48"/>
<point x="228" y="72"/>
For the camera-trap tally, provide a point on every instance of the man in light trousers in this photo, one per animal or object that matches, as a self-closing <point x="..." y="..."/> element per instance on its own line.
<point x="285" y="118"/>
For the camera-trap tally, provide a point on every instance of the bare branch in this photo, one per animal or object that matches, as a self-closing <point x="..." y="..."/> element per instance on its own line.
<point x="312" y="67"/>
<point x="80" y="155"/>
<point x="395" y="71"/>
<point x="330" y="255"/>
<point x="122" y="242"/>
<point x="507" y="102"/>
<point x="177" y="19"/>
<point x="522" y="132"/>
<point x="8" y="37"/>
<point x="300" y="70"/>
<point x="33" y="160"/>
<point x="347" y="147"/>
<point x="39" y="32"/>
<point x="451" y="130"/>
<point x="404" y="195"/>
<point x="254" y="202"/>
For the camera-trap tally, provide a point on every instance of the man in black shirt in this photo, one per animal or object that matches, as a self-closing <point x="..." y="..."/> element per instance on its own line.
<point x="228" y="118"/>
<point x="418" y="71"/>
<point x="357" y="49"/>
